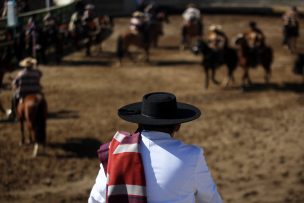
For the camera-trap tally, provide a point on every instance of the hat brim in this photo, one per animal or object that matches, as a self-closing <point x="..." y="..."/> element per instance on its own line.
<point x="185" y="113"/>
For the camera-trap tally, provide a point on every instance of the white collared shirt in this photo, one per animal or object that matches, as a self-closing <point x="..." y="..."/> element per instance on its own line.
<point x="175" y="172"/>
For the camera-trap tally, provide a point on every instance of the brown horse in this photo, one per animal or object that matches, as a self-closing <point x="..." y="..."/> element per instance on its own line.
<point x="191" y="32"/>
<point x="33" y="110"/>
<point x="128" y="39"/>
<point x="251" y="57"/>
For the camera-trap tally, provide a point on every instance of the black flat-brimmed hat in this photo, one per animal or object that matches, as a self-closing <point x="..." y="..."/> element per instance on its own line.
<point x="159" y="108"/>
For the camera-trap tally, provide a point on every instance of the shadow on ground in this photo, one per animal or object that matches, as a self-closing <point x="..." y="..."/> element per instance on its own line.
<point x="63" y="114"/>
<point x="176" y="63"/>
<point x="86" y="62"/>
<point x="285" y="87"/>
<point x="78" y="147"/>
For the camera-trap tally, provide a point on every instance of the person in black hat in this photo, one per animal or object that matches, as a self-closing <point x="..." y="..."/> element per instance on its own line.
<point x="173" y="171"/>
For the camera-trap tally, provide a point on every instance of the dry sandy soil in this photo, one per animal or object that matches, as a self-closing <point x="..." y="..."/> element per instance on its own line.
<point x="253" y="137"/>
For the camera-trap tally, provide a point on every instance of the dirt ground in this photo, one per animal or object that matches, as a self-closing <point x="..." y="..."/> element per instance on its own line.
<point x="253" y="137"/>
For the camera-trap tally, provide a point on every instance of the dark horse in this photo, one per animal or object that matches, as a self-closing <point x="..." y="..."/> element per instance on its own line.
<point x="191" y="32"/>
<point x="33" y="110"/>
<point x="252" y="57"/>
<point x="156" y="27"/>
<point x="213" y="59"/>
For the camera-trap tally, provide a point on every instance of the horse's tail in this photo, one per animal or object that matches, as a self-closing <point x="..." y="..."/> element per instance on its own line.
<point x="120" y="47"/>
<point x="41" y="116"/>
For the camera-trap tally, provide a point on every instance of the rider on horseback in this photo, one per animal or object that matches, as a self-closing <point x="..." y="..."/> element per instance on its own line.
<point x="26" y="82"/>
<point x="90" y="27"/>
<point x="192" y="16"/>
<point x="217" y="41"/>
<point x="255" y="36"/>
<point x="50" y="22"/>
<point x="256" y="42"/>
<point x="75" y="24"/>
<point x="291" y="27"/>
<point x="150" y="12"/>
<point x="138" y="24"/>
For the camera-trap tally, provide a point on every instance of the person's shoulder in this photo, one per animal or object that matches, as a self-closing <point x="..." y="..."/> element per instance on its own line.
<point x="190" y="149"/>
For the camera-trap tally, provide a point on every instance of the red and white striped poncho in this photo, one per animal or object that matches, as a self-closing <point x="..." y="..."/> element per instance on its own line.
<point x="124" y="169"/>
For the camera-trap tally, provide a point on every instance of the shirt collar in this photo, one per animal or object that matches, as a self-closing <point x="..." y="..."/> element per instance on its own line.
<point x="155" y="135"/>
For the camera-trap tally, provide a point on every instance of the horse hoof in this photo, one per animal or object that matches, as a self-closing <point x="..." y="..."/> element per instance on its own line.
<point x="35" y="151"/>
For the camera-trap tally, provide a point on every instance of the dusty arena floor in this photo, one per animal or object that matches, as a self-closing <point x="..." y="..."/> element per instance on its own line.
<point x="253" y="138"/>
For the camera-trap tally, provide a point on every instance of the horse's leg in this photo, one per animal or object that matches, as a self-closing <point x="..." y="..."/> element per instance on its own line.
<point x="184" y="38"/>
<point x="2" y="108"/>
<point x="21" y="122"/>
<point x="213" y="73"/>
<point x="267" y="70"/>
<point x="246" y="78"/>
<point x="293" y="44"/>
<point x="147" y="53"/>
<point x="29" y="124"/>
<point x="206" y="69"/>
<point x="229" y="77"/>
<point x="88" y="46"/>
<point x="35" y="150"/>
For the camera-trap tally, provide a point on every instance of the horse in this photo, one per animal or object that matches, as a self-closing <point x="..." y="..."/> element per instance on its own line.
<point x="105" y="26"/>
<point x="156" y="27"/>
<point x="94" y="31"/>
<point x="290" y="35"/>
<point x="191" y="32"/>
<point x="213" y="59"/>
<point x="32" y="109"/>
<point x="252" y="57"/>
<point x="35" y="43"/>
<point x="131" y="38"/>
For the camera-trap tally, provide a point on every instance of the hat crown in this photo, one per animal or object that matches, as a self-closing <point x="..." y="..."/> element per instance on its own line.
<point x="159" y="105"/>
